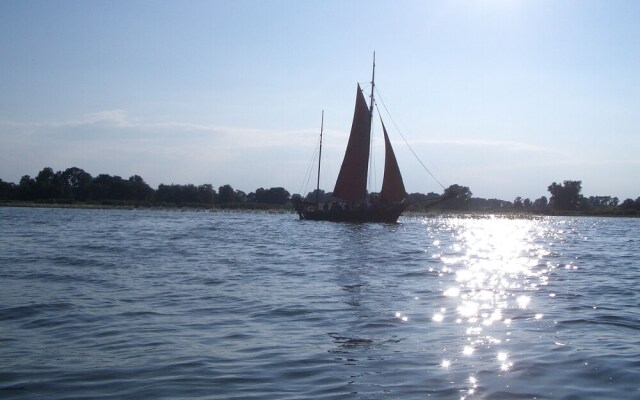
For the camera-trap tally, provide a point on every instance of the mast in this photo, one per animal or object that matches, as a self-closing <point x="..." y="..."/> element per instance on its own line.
<point x="319" y="159"/>
<point x="373" y="85"/>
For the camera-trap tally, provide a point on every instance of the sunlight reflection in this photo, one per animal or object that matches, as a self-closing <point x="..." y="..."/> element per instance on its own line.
<point x="452" y="292"/>
<point x="473" y="385"/>
<point x="497" y="264"/>
<point x="402" y="318"/>
<point x="523" y="301"/>
<point x="505" y="365"/>
<point x="468" y="309"/>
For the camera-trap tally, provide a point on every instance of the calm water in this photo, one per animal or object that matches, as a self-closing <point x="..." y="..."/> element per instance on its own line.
<point x="165" y="304"/>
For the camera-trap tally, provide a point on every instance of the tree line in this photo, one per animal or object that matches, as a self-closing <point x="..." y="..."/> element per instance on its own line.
<point x="565" y="198"/>
<point x="74" y="185"/>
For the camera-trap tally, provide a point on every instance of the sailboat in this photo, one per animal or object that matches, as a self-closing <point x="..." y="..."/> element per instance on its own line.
<point x="352" y="202"/>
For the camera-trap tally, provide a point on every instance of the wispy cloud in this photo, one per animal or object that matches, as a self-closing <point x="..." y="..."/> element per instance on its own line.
<point x="505" y="145"/>
<point x="120" y="121"/>
<point x="110" y="117"/>
<point x="115" y="141"/>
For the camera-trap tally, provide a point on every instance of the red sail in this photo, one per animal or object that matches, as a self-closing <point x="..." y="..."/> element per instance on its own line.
<point x="352" y="179"/>
<point x="392" y="185"/>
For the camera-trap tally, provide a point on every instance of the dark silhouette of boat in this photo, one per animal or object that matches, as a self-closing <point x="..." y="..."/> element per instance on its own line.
<point x="351" y="202"/>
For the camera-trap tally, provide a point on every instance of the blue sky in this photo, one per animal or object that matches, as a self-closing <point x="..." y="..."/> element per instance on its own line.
<point x="502" y="96"/>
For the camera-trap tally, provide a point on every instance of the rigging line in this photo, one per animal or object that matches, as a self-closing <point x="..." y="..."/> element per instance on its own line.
<point x="373" y="172"/>
<point x="372" y="162"/>
<point x="365" y="86"/>
<point x="405" y="140"/>
<point x="305" y="185"/>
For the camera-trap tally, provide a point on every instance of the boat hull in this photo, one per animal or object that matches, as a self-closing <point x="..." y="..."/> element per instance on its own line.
<point x="388" y="214"/>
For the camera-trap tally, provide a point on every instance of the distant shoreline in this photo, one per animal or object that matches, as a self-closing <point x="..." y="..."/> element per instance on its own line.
<point x="76" y="188"/>
<point x="286" y="210"/>
<point x="132" y="207"/>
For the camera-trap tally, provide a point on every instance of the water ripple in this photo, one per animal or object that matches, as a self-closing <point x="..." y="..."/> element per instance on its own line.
<point x="157" y="304"/>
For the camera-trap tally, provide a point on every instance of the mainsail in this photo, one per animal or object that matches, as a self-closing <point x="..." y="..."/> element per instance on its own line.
<point x="392" y="185"/>
<point x="352" y="179"/>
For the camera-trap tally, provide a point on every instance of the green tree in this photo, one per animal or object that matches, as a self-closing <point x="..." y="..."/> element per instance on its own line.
<point x="107" y="187"/>
<point x="240" y="197"/>
<point x="541" y="204"/>
<point x="259" y="196"/>
<point x="138" y="189"/>
<point x="227" y="195"/>
<point x="48" y="185"/>
<point x="480" y="204"/>
<point x="171" y="194"/>
<point x="78" y="182"/>
<point x="6" y="190"/>
<point x="206" y="194"/>
<point x="517" y="203"/>
<point x="602" y="201"/>
<point x="458" y="197"/>
<point x="628" y="204"/>
<point x="185" y="194"/>
<point x="565" y="197"/>
<point x="318" y="194"/>
<point x="296" y="199"/>
<point x="274" y="195"/>
<point x="26" y="188"/>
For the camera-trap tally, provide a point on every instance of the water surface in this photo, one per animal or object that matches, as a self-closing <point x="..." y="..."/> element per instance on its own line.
<point x="219" y="305"/>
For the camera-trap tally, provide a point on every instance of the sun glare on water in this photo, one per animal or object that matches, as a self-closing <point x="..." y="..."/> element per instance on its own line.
<point x="494" y="266"/>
